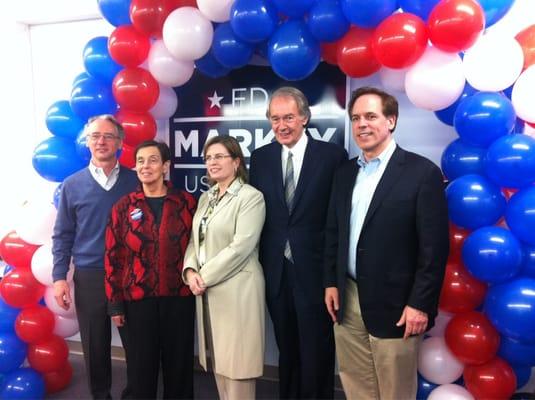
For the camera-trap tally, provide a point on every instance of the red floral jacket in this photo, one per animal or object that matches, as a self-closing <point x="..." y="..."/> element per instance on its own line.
<point x="142" y="259"/>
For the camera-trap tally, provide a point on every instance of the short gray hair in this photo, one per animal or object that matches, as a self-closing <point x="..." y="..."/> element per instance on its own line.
<point x="106" y="117"/>
<point x="297" y="95"/>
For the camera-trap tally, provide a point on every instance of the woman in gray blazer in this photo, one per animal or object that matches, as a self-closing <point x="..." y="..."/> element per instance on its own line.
<point x="222" y="269"/>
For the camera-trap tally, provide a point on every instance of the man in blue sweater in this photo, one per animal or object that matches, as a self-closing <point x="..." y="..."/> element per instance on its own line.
<point x="85" y="203"/>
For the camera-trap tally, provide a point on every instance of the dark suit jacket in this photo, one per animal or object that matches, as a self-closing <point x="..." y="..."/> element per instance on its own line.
<point x="305" y="226"/>
<point x="403" y="245"/>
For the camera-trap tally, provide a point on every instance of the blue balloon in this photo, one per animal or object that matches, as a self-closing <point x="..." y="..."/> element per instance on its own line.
<point x="510" y="161"/>
<point x="424" y="388"/>
<point x="8" y="315"/>
<point x="23" y="384"/>
<point x="368" y="13"/>
<point x="92" y="97"/>
<point x="293" y="8"/>
<point x="81" y="147"/>
<point x="12" y="352"/>
<point x="55" y="159"/>
<point x="228" y="49"/>
<point x="474" y="202"/>
<point x="483" y="117"/>
<point x="82" y="76"/>
<point x="326" y="21"/>
<point x="293" y="52"/>
<point x="516" y="352"/>
<point x="510" y="307"/>
<point x="495" y="10"/>
<point x="62" y="121"/>
<point x="116" y="12"/>
<point x="97" y="60"/>
<point x="520" y="215"/>
<point x="492" y="254"/>
<point x="57" y="195"/>
<point x="460" y="158"/>
<point x="210" y="67"/>
<point x="421" y="8"/>
<point x="446" y="115"/>
<point x="523" y="373"/>
<point x="253" y="21"/>
<point x="528" y="261"/>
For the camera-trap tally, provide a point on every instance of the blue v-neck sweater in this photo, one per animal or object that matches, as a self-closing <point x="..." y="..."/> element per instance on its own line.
<point x="83" y="212"/>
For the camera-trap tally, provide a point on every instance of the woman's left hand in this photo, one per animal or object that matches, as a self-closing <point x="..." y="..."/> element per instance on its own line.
<point x="196" y="283"/>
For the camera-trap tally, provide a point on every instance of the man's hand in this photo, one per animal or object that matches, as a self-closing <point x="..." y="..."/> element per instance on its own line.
<point x="118" y="320"/>
<point x="331" y="301"/>
<point x="62" y="294"/>
<point x="415" y="321"/>
<point x="195" y="282"/>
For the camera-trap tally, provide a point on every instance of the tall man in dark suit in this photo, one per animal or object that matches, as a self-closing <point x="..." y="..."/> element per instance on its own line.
<point x="386" y="250"/>
<point x="295" y="175"/>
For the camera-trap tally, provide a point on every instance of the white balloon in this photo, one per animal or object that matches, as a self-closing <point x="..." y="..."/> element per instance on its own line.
<point x="42" y="264"/>
<point x="450" y="392"/>
<point x="441" y="321"/>
<point x="393" y="79"/>
<point x="166" y="105"/>
<point x="65" y="327"/>
<point x="50" y="302"/>
<point x="493" y="63"/>
<point x="436" y="80"/>
<point x="436" y="363"/>
<point x="187" y="33"/>
<point x="523" y="95"/>
<point x="215" y="10"/>
<point x="35" y="223"/>
<point x="166" y="69"/>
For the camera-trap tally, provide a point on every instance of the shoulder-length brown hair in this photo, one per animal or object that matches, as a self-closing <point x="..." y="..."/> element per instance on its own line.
<point x="234" y="149"/>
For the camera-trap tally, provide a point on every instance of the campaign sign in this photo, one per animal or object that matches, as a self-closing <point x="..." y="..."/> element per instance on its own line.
<point x="236" y="105"/>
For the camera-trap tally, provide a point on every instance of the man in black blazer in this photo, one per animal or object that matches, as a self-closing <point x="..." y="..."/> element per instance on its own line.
<point x="295" y="176"/>
<point x="386" y="251"/>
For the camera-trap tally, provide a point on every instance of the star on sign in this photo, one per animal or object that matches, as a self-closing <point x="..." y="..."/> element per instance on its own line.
<point x="215" y="100"/>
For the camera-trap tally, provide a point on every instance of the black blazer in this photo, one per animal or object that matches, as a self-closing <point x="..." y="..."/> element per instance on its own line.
<point x="305" y="226"/>
<point x="403" y="246"/>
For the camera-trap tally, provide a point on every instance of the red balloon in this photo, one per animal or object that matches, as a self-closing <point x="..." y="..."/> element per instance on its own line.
<point x="493" y="380"/>
<point x="20" y="289"/>
<point x="148" y="16"/>
<point x="455" y="25"/>
<point x="172" y="5"/>
<point x="329" y="52"/>
<point x="34" y="324"/>
<point x="58" y="380"/>
<point x="461" y="292"/>
<point x="126" y="159"/>
<point x="127" y="46"/>
<point x="472" y="338"/>
<point x="138" y="127"/>
<point x="400" y="40"/>
<point x="135" y="89"/>
<point x="50" y="355"/>
<point x="526" y="38"/>
<point x="457" y="237"/>
<point x="16" y="252"/>
<point x="355" y="57"/>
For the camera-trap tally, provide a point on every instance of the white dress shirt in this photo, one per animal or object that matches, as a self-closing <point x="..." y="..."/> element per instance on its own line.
<point x="368" y="178"/>
<point x="106" y="182"/>
<point x="298" y="154"/>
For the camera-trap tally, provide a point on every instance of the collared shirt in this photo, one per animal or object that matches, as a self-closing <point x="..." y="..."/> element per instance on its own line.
<point x="368" y="178"/>
<point x="98" y="174"/>
<point x="298" y="155"/>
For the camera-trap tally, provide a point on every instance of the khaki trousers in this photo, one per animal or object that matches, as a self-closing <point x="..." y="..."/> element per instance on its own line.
<point x="371" y="367"/>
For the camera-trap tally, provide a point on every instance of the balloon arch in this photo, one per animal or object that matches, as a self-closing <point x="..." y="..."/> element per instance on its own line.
<point x="438" y="52"/>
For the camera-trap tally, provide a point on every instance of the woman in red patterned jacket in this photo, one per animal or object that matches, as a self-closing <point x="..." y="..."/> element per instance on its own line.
<point x="146" y="238"/>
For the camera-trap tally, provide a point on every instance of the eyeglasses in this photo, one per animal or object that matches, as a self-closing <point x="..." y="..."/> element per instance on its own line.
<point x="288" y="119"/>
<point x="216" y="157"/>
<point x="95" y="137"/>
